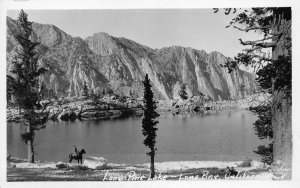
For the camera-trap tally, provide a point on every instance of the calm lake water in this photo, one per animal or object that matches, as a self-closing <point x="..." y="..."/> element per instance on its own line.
<point x="221" y="136"/>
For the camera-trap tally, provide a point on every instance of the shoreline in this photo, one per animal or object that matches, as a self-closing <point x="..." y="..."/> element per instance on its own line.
<point x="99" y="169"/>
<point x="84" y="109"/>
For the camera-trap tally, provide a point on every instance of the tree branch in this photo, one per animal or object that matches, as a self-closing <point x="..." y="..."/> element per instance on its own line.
<point x="252" y="28"/>
<point x="263" y="44"/>
<point x="261" y="57"/>
<point x="251" y="50"/>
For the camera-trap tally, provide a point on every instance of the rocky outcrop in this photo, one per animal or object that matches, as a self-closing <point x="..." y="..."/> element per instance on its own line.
<point x="203" y="103"/>
<point x="84" y="109"/>
<point x="103" y="61"/>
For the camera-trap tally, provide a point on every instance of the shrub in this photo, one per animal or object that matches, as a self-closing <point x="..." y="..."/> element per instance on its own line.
<point x="77" y="167"/>
<point x="246" y="163"/>
<point x="61" y="165"/>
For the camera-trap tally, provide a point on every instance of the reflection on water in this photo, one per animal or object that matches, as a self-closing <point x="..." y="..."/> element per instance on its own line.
<point x="210" y="135"/>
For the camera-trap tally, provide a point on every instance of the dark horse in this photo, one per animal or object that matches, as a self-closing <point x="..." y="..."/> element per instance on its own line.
<point x="77" y="157"/>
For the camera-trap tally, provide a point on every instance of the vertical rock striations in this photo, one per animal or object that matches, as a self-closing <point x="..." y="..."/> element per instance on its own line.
<point x="105" y="61"/>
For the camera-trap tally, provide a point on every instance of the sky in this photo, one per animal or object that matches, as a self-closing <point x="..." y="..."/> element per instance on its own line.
<point x="156" y="28"/>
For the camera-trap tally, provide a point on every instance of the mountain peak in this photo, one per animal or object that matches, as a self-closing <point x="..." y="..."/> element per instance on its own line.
<point x="102" y="43"/>
<point x="101" y="34"/>
<point x="121" y="63"/>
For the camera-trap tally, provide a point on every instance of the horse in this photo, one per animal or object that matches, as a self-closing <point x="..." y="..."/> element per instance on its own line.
<point x="77" y="157"/>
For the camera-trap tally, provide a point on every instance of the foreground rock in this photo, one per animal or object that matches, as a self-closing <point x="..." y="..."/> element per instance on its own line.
<point x="98" y="163"/>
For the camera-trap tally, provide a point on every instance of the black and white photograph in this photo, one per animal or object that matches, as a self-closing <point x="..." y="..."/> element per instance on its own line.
<point x="148" y="94"/>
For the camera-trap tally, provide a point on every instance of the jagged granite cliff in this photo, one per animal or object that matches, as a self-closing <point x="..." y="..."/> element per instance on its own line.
<point x="105" y="61"/>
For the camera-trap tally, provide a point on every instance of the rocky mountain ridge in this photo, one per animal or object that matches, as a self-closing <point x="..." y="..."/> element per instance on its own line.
<point x="103" y="61"/>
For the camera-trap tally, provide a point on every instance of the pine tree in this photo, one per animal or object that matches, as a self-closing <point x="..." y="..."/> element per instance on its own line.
<point x="23" y="83"/>
<point x="85" y="90"/>
<point x="242" y="90"/>
<point x="135" y="95"/>
<point x="149" y="122"/>
<point x="182" y="92"/>
<point x="95" y="97"/>
<point x="109" y="91"/>
<point x="263" y="129"/>
<point x="42" y="90"/>
<point x="274" y="72"/>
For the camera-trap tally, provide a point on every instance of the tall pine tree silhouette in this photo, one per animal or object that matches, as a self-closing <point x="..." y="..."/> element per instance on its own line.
<point x="149" y="122"/>
<point x="23" y="83"/>
<point x="85" y="89"/>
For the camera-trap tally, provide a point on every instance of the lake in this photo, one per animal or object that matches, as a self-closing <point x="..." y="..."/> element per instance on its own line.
<point x="213" y="136"/>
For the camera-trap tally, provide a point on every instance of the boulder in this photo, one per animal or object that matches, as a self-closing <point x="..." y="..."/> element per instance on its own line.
<point x="63" y="115"/>
<point x="115" y="113"/>
<point x="89" y="115"/>
<point x="174" y="102"/>
<point x="196" y="108"/>
<point x="77" y="113"/>
<point x="98" y="163"/>
<point x="72" y="115"/>
<point x="60" y="165"/>
<point x="66" y="115"/>
<point x="208" y="107"/>
<point x="256" y="164"/>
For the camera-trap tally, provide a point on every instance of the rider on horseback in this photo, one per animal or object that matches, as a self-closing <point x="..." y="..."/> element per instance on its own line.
<point x="76" y="152"/>
<point x="77" y="156"/>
